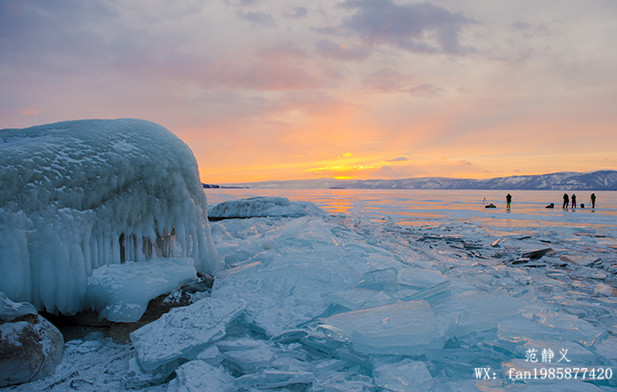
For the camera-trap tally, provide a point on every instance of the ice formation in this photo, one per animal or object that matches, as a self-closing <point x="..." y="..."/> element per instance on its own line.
<point x="121" y="292"/>
<point x="83" y="194"/>
<point x="262" y="206"/>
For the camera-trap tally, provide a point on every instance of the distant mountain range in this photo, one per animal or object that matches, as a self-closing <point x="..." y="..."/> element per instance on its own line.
<point x="602" y="180"/>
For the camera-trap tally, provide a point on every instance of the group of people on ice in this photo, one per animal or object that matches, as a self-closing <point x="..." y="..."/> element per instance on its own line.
<point x="571" y="201"/>
<point x="567" y="202"/>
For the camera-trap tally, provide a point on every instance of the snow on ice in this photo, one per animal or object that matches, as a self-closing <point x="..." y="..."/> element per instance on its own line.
<point x="79" y="195"/>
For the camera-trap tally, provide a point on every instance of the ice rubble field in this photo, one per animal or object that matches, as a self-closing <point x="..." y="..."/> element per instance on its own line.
<point x="344" y="303"/>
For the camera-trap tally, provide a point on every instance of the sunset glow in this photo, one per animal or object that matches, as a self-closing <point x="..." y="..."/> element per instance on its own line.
<point x="356" y="89"/>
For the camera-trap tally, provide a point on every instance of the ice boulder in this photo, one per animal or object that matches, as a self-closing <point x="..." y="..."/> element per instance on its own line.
<point x="121" y="292"/>
<point x="78" y="195"/>
<point x="262" y="206"/>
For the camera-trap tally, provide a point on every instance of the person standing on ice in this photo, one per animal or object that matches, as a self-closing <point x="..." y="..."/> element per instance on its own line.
<point x="508" y="200"/>
<point x="593" y="200"/>
<point x="573" y="198"/>
<point x="566" y="200"/>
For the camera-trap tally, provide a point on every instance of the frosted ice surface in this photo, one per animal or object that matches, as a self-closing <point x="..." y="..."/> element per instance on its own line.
<point x="184" y="332"/>
<point x="404" y="376"/>
<point x="81" y="194"/>
<point x="262" y="206"/>
<point x="122" y="291"/>
<point x="198" y="376"/>
<point x="405" y="328"/>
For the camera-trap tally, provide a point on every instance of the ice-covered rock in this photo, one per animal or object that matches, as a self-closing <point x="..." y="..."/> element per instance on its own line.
<point x="121" y="292"/>
<point x="184" y="332"/>
<point x="81" y="194"/>
<point x="30" y="346"/>
<point x="262" y="206"/>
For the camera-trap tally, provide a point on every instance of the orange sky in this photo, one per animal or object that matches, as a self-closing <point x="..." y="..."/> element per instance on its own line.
<point x="278" y="90"/>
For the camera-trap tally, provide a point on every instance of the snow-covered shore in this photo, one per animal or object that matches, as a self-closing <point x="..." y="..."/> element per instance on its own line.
<point x="342" y="303"/>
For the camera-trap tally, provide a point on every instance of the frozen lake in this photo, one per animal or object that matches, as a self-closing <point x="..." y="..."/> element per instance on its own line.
<point x="428" y="207"/>
<point x="398" y="290"/>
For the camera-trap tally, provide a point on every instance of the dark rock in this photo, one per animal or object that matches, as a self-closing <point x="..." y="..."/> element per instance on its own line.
<point x="538" y="254"/>
<point x="30" y="346"/>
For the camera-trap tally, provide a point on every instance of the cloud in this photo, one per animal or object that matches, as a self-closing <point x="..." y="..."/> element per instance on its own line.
<point x="342" y="52"/>
<point x="32" y="110"/>
<point x="387" y="80"/>
<point x="463" y="162"/>
<point x="425" y="90"/>
<point x="398" y="159"/>
<point x="423" y="28"/>
<point x="257" y="17"/>
<point x="297" y="12"/>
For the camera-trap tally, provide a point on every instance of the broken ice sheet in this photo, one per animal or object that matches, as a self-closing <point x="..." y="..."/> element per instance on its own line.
<point x="245" y="355"/>
<point x="359" y="298"/>
<point x="184" y="332"/>
<point x="198" y="376"/>
<point x="404" y="376"/>
<point x="401" y="328"/>
<point x="554" y="327"/>
<point x="419" y="277"/>
<point x="272" y="378"/>
<point x="476" y="311"/>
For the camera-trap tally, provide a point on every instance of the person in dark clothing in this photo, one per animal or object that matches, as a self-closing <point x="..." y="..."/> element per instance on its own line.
<point x="508" y="200"/>
<point x="593" y="200"/>
<point x="573" y="198"/>
<point x="566" y="200"/>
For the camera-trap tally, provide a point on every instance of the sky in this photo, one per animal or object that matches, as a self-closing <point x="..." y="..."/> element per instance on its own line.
<point x="364" y="89"/>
